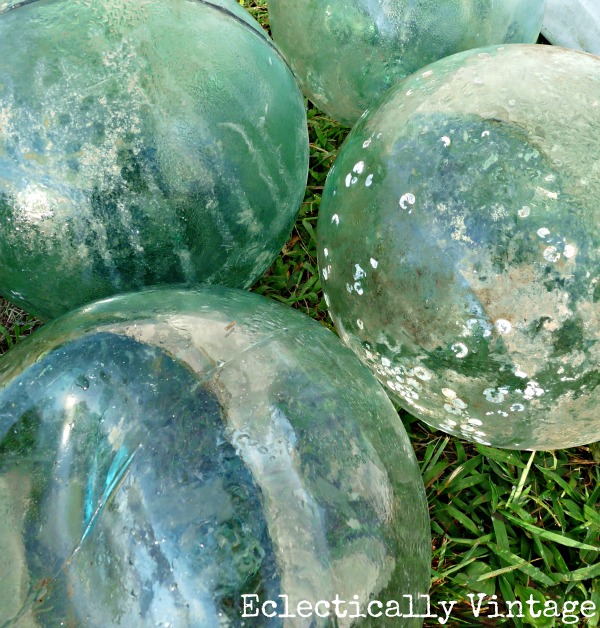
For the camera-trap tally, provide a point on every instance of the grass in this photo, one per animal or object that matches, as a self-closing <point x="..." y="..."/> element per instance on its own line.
<point x="14" y="325"/>
<point x="504" y="523"/>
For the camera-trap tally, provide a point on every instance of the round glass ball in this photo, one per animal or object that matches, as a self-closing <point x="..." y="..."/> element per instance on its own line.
<point x="164" y="453"/>
<point x="142" y="143"/>
<point x="459" y="245"/>
<point x="573" y="24"/>
<point x="347" y="53"/>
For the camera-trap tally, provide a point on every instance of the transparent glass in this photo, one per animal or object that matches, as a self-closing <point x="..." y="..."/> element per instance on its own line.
<point x="459" y="245"/>
<point x="573" y="24"/>
<point x="347" y="53"/>
<point x="164" y="453"/>
<point x="142" y="143"/>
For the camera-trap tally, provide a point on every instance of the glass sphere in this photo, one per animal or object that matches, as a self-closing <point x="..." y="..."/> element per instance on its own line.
<point x="573" y="24"/>
<point x="459" y="245"/>
<point x="142" y="143"/>
<point x="164" y="453"/>
<point x="346" y="53"/>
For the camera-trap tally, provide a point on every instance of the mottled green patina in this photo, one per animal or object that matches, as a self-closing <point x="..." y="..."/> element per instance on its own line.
<point x="459" y="244"/>
<point x="141" y="143"/>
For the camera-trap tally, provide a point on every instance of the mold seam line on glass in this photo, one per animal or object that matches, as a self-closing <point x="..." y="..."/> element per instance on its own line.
<point x="221" y="9"/>
<point x="201" y="379"/>
<point x="36" y="592"/>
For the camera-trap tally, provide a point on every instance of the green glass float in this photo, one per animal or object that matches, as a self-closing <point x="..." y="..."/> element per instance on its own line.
<point x="347" y="53"/>
<point x="142" y="143"/>
<point x="459" y="245"/>
<point x="164" y="453"/>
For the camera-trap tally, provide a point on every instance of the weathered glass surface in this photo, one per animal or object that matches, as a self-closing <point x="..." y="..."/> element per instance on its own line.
<point x="346" y="53"/>
<point x="141" y="143"/>
<point x="459" y="245"/>
<point x="165" y="452"/>
<point x="573" y="23"/>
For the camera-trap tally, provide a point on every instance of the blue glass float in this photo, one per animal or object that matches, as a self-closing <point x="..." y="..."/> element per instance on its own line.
<point x="166" y="452"/>
<point x="459" y="245"/>
<point x="142" y="143"/>
<point x="347" y="53"/>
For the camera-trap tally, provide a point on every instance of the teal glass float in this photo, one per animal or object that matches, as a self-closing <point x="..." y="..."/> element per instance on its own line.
<point x="459" y="245"/>
<point x="347" y="53"/>
<point x="164" y="453"/>
<point x="142" y="143"/>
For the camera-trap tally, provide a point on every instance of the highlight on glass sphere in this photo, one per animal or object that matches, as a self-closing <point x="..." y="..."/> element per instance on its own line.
<point x="142" y="143"/>
<point x="459" y="245"/>
<point x="347" y="53"/>
<point x="164" y="453"/>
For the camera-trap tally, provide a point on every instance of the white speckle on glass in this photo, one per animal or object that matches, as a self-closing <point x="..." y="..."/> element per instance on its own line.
<point x="406" y="200"/>
<point x="533" y="390"/>
<point x="460" y="350"/>
<point x="551" y="254"/>
<point x="547" y="193"/>
<point x="495" y="395"/>
<point x="359" y="273"/>
<point x="543" y="232"/>
<point x="452" y="410"/>
<point x="459" y="403"/>
<point x="422" y="373"/>
<point x="374" y="263"/>
<point x="503" y="326"/>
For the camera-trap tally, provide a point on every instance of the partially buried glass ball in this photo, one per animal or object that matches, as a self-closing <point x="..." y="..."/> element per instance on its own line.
<point x="166" y="452"/>
<point x="347" y="53"/>
<point x="142" y="143"/>
<point x="459" y="245"/>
